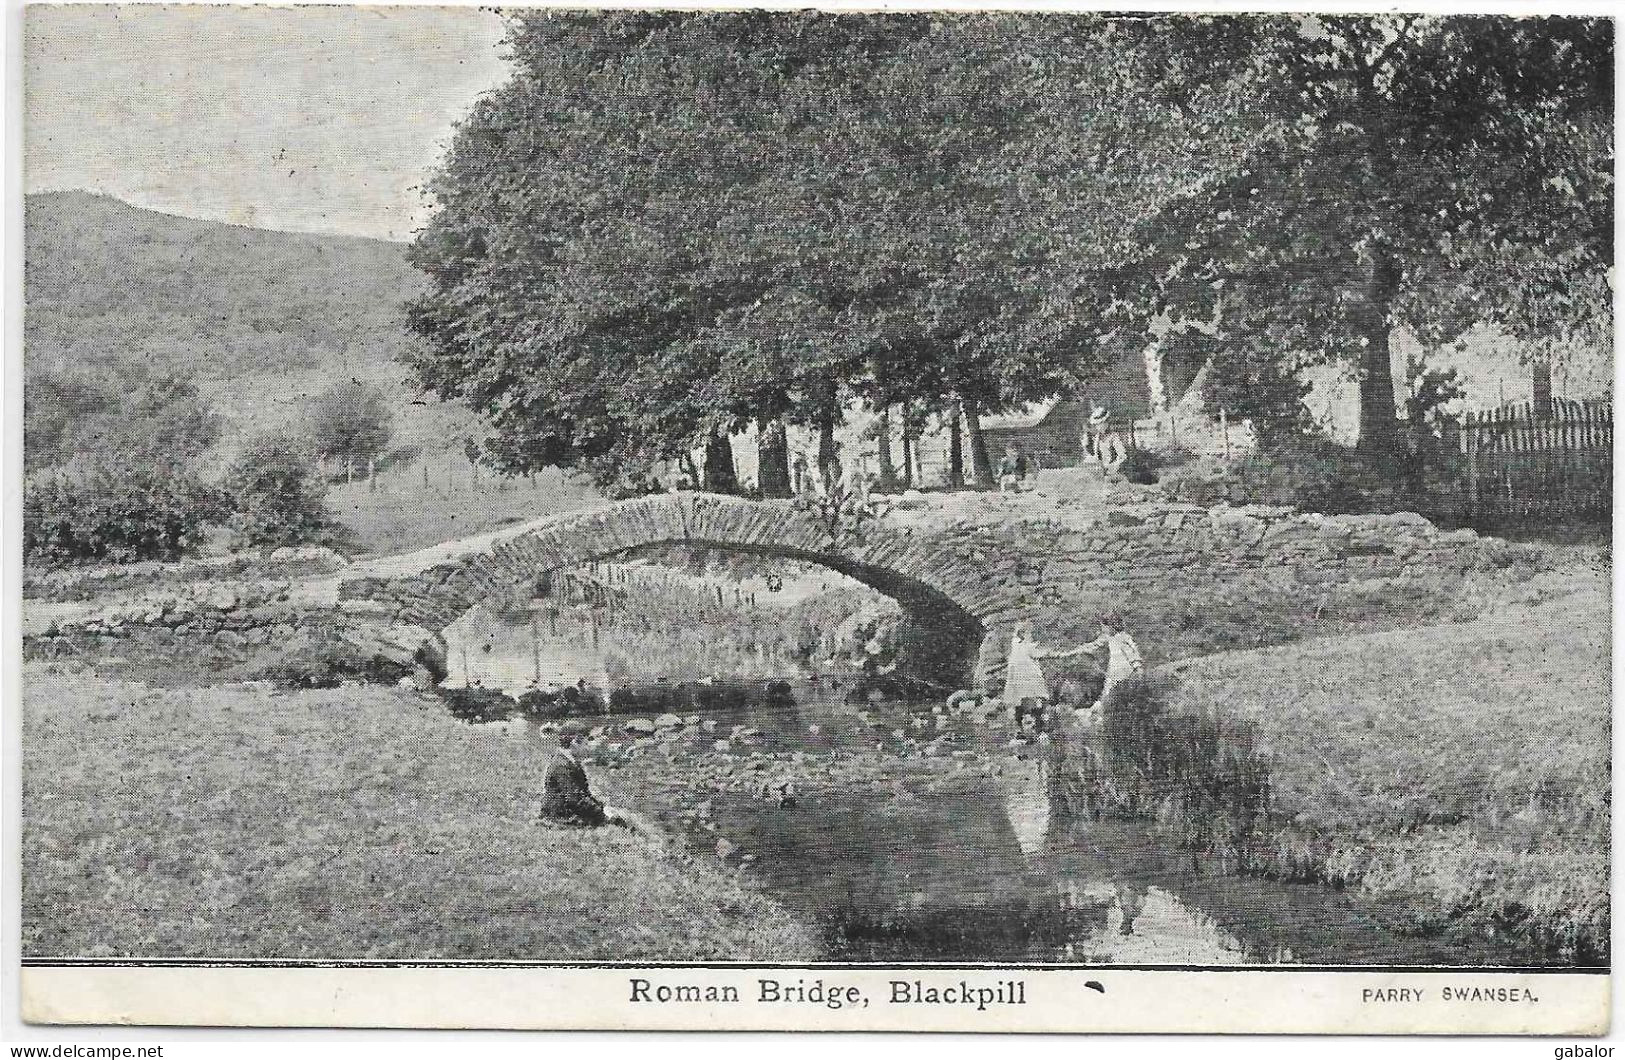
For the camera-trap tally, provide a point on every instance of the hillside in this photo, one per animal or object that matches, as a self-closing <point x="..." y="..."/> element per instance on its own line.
<point x="257" y="319"/>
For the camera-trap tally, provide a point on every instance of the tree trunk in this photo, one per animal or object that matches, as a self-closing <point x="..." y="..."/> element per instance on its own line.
<point x="981" y="468"/>
<point x="1541" y="377"/>
<point x="1379" y="423"/>
<point x="916" y="474"/>
<point x="956" y="453"/>
<point x="887" y="473"/>
<point x="1156" y="386"/>
<point x="829" y="455"/>
<point x="773" y="458"/>
<point x="720" y="476"/>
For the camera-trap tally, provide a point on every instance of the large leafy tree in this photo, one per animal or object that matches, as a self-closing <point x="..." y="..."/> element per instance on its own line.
<point x="645" y="190"/>
<point x="1404" y="170"/>
<point x="665" y="228"/>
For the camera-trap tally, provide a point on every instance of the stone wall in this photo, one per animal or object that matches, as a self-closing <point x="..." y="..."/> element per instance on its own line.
<point x="203" y="607"/>
<point x="1162" y="549"/>
<point x="969" y="581"/>
<point x="89" y="583"/>
<point x="1141" y="541"/>
<point x="962" y="582"/>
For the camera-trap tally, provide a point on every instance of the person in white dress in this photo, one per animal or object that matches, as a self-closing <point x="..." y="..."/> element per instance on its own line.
<point x="1123" y="660"/>
<point x="1025" y="687"/>
<point x="1123" y="664"/>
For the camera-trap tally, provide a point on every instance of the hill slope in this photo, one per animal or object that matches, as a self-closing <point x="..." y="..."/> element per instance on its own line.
<point x="106" y="278"/>
<point x="257" y="319"/>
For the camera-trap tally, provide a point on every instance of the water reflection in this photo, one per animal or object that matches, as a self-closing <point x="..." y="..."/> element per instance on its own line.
<point x="990" y="867"/>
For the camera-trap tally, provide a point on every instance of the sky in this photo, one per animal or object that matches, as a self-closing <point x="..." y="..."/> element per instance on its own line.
<point x="317" y="119"/>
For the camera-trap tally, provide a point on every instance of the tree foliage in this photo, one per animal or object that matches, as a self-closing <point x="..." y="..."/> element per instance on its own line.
<point x="114" y="511"/>
<point x="70" y="418"/>
<point x="666" y="226"/>
<point x="1434" y="172"/>
<point x="349" y="420"/>
<point x="274" y="494"/>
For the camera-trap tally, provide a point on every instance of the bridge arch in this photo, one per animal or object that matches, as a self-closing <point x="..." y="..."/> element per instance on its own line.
<point x="938" y="580"/>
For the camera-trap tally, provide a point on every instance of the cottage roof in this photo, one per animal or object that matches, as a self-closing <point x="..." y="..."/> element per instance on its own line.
<point x="1030" y="415"/>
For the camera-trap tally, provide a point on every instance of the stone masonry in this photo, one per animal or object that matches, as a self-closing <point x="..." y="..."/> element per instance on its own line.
<point x="963" y="583"/>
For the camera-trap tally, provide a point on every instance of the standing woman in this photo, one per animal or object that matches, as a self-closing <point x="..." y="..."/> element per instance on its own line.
<point x="1024" y="686"/>
<point x="1105" y="443"/>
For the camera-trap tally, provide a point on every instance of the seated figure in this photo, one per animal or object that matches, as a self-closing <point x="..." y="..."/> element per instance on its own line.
<point x="566" y="796"/>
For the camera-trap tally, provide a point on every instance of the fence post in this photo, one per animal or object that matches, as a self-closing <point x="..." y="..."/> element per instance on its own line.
<point x="1470" y="450"/>
<point x="536" y="648"/>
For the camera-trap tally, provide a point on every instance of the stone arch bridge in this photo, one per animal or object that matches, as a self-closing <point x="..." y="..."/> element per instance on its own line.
<point x="964" y="568"/>
<point x="951" y="586"/>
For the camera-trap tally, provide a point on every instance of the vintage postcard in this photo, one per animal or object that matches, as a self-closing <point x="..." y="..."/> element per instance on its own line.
<point x="1000" y="521"/>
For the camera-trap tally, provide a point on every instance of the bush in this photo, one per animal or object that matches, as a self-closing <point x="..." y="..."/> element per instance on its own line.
<point x="1255" y="383"/>
<point x="275" y="495"/>
<point x="318" y="659"/>
<point x="350" y="420"/>
<point x="1319" y="475"/>
<point x="1205" y="782"/>
<point x="1141" y="466"/>
<point x="1145" y="466"/>
<point x="115" y="512"/>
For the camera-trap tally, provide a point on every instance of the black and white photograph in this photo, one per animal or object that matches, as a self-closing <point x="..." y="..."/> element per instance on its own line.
<point x="817" y="519"/>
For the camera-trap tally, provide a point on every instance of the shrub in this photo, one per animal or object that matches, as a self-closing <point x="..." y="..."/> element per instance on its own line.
<point x="1316" y="474"/>
<point x="350" y="420"/>
<point x="275" y="495"/>
<point x="115" y="512"/>
<point x="318" y="659"/>
<point x="1145" y="467"/>
<point x="1141" y="466"/>
<point x="1204" y="782"/>
<point x="1254" y="382"/>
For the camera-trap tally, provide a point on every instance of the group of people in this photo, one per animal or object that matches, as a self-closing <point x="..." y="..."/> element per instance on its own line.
<point x="1101" y="443"/>
<point x="1027" y="690"/>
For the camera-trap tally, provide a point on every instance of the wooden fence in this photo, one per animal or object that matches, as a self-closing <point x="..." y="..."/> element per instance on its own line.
<point x="1515" y="464"/>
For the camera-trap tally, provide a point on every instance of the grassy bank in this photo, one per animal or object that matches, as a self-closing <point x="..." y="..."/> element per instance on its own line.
<point x="355" y="822"/>
<point x="1459" y="770"/>
<point x="437" y="499"/>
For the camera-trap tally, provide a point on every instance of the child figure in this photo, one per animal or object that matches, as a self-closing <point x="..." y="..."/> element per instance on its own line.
<point x="1012" y="470"/>
<point x="1123" y="661"/>
<point x="1025" y="687"/>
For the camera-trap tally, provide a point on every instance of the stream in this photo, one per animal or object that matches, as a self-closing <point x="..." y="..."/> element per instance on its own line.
<point x="911" y="832"/>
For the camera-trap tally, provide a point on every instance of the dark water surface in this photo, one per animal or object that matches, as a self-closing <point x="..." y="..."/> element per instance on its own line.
<point x="982" y="870"/>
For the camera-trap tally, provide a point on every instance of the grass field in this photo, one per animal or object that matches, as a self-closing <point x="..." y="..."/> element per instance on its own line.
<point x="356" y="822"/>
<point x="1462" y="769"/>
<point x="400" y="513"/>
